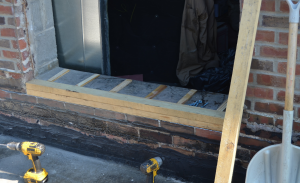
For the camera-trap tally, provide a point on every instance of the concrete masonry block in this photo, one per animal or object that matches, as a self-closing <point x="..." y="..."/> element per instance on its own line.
<point x="35" y="15"/>
<point x="45" y="47"/>
<point x="47" y="67"/>
<point x="47" y="14"/>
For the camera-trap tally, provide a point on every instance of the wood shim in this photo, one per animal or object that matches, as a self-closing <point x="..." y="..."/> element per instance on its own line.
<point x="154" y="109"/>
<point x="88" y="80"/>
<point x="223" y="106"/>
<point x="236" y="99"/>
<point x="58" y="75"/>
<point x="156" y="91"/>
<point x="121" y="86"/>
<point x="187" y="97"/>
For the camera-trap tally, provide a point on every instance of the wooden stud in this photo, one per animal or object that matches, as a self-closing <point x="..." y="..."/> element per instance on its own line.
<point x="121" y="86"/>
<point x="155" y="92"/>
<point x="236" y="99"/>
<point x="88" y="80"/>
<point x="223" y="106"/>
<point x="187" y="97"/>
<point x="166" y="111"/>
<point x="58" y="75"/>
<point x="216" y="123"/>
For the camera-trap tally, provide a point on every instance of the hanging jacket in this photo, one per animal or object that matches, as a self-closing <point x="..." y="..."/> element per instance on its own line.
<point x="198" y="49"/>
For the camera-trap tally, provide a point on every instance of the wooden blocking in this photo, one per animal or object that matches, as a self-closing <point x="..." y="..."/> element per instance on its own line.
<point x="238" y="87"/>
<point x="126" y="104"/>
<point x="121" y="86"/>
<point x="88" y="80"/>
<point x="223" y="106"/>
<point x="58" y="75"/>
<point x="156" y="91"/>
<point x="187" y="97"/>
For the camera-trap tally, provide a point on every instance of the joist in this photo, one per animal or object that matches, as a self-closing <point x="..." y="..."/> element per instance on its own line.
<point x="58" y="75"/>
<point x="88" y="80"/>
<point x="236" y="98"/>
<point x="166" y="111"/>
<point x="121" y="86"/>
<point x="223" y="106"/>
<point x="156" y="91"/>
<point x="187" y="97"/>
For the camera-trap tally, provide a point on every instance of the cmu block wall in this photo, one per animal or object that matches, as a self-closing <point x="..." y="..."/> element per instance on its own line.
<point x="41" y="35"/>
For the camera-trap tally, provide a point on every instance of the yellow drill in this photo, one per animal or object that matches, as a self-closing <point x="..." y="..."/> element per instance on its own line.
<point x="150" y="168"/>
<point x="32" y="150"/>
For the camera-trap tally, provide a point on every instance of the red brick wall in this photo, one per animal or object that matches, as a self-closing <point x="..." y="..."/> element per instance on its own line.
<point x="15" y="61"/>
<point x="266" y="88"/>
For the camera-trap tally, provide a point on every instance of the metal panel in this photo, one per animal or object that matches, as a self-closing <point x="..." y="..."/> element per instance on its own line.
<point x="79" y="37"/>
<point x="91" y="35"/>
<point x="67" y="18"/>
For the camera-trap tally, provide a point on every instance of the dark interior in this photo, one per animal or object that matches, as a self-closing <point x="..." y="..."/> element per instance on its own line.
<point x="145" y="36"/>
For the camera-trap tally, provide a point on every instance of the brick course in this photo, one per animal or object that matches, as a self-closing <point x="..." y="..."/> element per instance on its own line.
<point x="268" y="5"/>
<point x="262" y="65"/>
<point x="6" y="10"/>
<point x="2" y="20"/>
<point x="264" y="93"/>
<point x="8" y="32"/>
<point x="268" y="36"/>
<point x="270" y="80"/>
<point x="268" y="51"/>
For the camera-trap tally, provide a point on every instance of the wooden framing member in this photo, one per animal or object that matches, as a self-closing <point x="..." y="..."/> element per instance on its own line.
<point x="88" y="80"/>
<point x="160" y="110"/>
<point x="237" y="94"/>
<point x="58" y="75"/>
<point x="187" y="97"/>
<point x="223" y="106"/>
<point x="121" y="86"/>
<point x="156" y="91"/>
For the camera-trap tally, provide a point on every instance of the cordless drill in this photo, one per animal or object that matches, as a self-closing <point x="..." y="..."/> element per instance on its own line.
<point x="150" y="168"/>
<point x="32" y="150"/>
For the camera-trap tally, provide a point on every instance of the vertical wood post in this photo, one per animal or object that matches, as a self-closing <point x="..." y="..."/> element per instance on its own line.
<point x="239" y="82"/>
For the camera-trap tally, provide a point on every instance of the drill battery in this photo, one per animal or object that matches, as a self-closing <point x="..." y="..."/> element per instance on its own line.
<point x="32" y="177"/>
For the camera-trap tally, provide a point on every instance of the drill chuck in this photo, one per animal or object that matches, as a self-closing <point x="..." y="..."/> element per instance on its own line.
<point x="15" y="146"/>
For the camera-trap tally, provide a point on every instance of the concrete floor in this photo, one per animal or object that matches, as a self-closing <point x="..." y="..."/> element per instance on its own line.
<point x="67" y="167"/>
